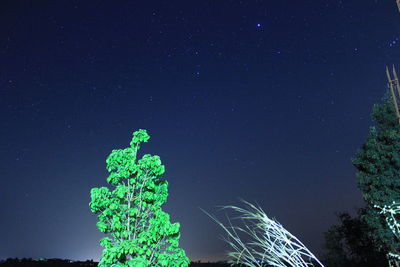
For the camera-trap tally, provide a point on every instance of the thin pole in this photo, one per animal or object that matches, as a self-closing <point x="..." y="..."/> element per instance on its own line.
<point x="390" y="85"/>
<point x="396" y="80"/>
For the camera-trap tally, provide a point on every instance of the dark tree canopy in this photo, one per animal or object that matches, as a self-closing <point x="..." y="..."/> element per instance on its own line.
<point x="378" y="172"/>
<point x="348" y="243"/>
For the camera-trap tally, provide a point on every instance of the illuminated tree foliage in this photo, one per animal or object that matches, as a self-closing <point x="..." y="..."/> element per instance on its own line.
<point x="391" y="213"/>
<point x="378" y="172"/>
<point x="139" y="232"/>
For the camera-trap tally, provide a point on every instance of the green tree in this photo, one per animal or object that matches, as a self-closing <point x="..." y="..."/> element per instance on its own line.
<point x="378" y="172"/>
<point x="348" y="244"/>
<point x="392" y="216"/>
<point x="140" y="233"/>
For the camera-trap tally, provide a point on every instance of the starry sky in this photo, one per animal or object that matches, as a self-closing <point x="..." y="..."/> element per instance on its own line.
<point x="262" y="100"/>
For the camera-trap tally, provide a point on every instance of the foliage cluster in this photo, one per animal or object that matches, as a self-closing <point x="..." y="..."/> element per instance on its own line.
<point x="348" y="244"/>
<point x="140" y="233"/>
<point x="378" y="172"/>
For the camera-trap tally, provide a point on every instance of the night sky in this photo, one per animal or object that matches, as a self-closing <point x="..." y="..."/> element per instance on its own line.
<point x="262" y="100"/>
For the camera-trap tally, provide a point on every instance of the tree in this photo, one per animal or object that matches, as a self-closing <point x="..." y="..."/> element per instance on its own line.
<point x="348" y="244"/>
<point x="392" y="214"/>
<point x="139" y="231"/>
<point x="378" y="172"/>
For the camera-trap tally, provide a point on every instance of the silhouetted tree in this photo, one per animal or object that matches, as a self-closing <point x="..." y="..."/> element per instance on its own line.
<point x="349" y="245"/>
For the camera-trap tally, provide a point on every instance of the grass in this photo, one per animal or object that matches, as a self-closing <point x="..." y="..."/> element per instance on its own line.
<point x="273" y="245"/>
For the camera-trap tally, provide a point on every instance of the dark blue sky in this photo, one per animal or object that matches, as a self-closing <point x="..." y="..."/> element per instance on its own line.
<point x="263" y="100"/>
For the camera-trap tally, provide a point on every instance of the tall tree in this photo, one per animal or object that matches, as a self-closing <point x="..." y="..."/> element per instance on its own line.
<point x="140" y="233"/>
<point x="348" y="244"/>
<point x="378" y="172"/>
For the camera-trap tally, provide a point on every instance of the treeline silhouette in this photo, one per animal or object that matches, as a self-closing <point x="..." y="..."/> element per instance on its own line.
<point x="46" y="262"/>
<point x="69" y="263"/>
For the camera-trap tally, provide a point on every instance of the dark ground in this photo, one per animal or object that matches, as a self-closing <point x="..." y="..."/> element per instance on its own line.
<point x="69" y="263"/>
